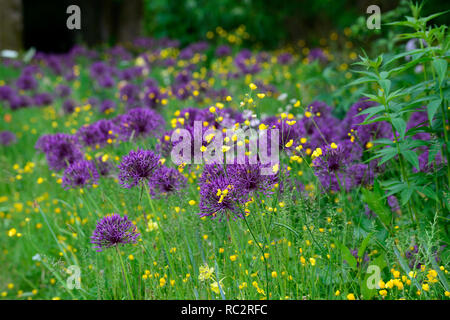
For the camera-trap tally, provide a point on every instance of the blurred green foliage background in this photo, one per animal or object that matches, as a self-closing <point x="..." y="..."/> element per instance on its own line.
<point x="269" y="22"/>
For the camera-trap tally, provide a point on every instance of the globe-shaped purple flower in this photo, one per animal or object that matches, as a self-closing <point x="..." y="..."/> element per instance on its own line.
<point x="250" y="177"/>
<point x="166" y="180"/>
<point x="7" y="138"/>
<point x="219" y="194"/>
<point x="60" y="150"/>
<point x="140" y="122"/>
<point x="114" y="230"/>
<point x="137" y="167"/>
<point x="80" y="174"/>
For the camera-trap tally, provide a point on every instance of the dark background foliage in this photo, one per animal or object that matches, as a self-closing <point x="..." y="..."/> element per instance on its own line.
<point x="42" y="24"/>
<point x="269" y="22"/>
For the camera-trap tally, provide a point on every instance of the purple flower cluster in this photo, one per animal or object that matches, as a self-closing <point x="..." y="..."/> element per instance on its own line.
<point x="97" y="133"/>
<point x="165" y="181"/>
<point x="364" y="133"/>
<point x="137" y="167"/>
<point x="102" y="74"/>
<point x="337" y="168"/>
<point x="317" y="54"/>
<point x="112" y="231"/>
<point x="60" y="150"/>
<point x="219" y="197"/>
<point x="80" y="174"/>
<point x="7" y="138"/>
<point x="139" y="122"/>
<point x="224" y="190"/>
<point x="364" y="260"/>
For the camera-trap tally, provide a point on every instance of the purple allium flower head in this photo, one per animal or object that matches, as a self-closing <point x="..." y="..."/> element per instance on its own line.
<point x="181" y="91"/>
<point x="412" y="254"/>
<point x="69" y="106"/>
<point x="137" y="167"/>
<point x="7" y="138"/>
<point x="364" y="133"/>
<point x="369" y="213"/>
<point x="42" y="99"/>
<point x="114" y="230"/>
<point x="130" y="73"/>
<point x="249" y="177"/>
<point x="359" y="174"/>
<point x="321" y="127"/>
<point x="223" y="51"/>
<point x="286" y="132"/>
<point x="97" y="133"/>
<point x="141" y="123"/>
<point x="94" y="101"/>
<point x="80" y="174"/>
<point x="199" y="46"/>
<point x="333" y="159"/>
<point x="19" y="101"/>
<point x="336" y="167"/>
<point x="63" y="91"/>
<point x="99" y="69"/>
<point x="284" y="58"/>
<point x="191" y="115"/>
<point x="60" y="150"/>
<point x="26" y="82"/>
<point x="186" y="54"/>
<point x="150" y="82"/>
<point x="244" y="63"/>
<point x="106" y="81"/>
<point x="426" y="166"/>
<point x="153" y="97"/>
<point x="6" y="92"/>
<point x="183" y="77"/>
<point x="107" y="105"/>
<point x="129" y="93"/>
<point x="218" y="195"/>
<point x="393" y="203"/>
<point x="166" y="180"/>
<point x="317" y="54"/>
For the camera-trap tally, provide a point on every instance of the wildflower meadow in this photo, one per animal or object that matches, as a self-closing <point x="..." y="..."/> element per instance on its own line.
<point x="157" y="169"/>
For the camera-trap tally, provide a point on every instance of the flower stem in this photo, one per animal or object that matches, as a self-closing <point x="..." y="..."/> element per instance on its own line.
<point x="262" y="252"/>
<point x="130" y="292"/>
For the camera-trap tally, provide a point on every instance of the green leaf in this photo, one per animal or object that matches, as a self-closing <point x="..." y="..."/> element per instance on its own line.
<point x="364" y="244"/>
<point x="434" y="15"/>
<point x="377" y="205"/>
<point x="346" y="254"/>
<point x="405" y="266"/>
<point x="384" y="75"/>
<point x="385" y="84"/>
<point x="440" y="65"/>
<point x="412" y="158"/>
<point x="441" y="276"/>
<point x="429" y="193"/>
<point x="386" y="154"/>
<point x="400" y="126"/>
<point x="432" y="108"/>
<point x="405" y="195"/>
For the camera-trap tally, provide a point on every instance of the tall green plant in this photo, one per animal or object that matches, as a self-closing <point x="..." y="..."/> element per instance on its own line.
<point x="396" y="101"/>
